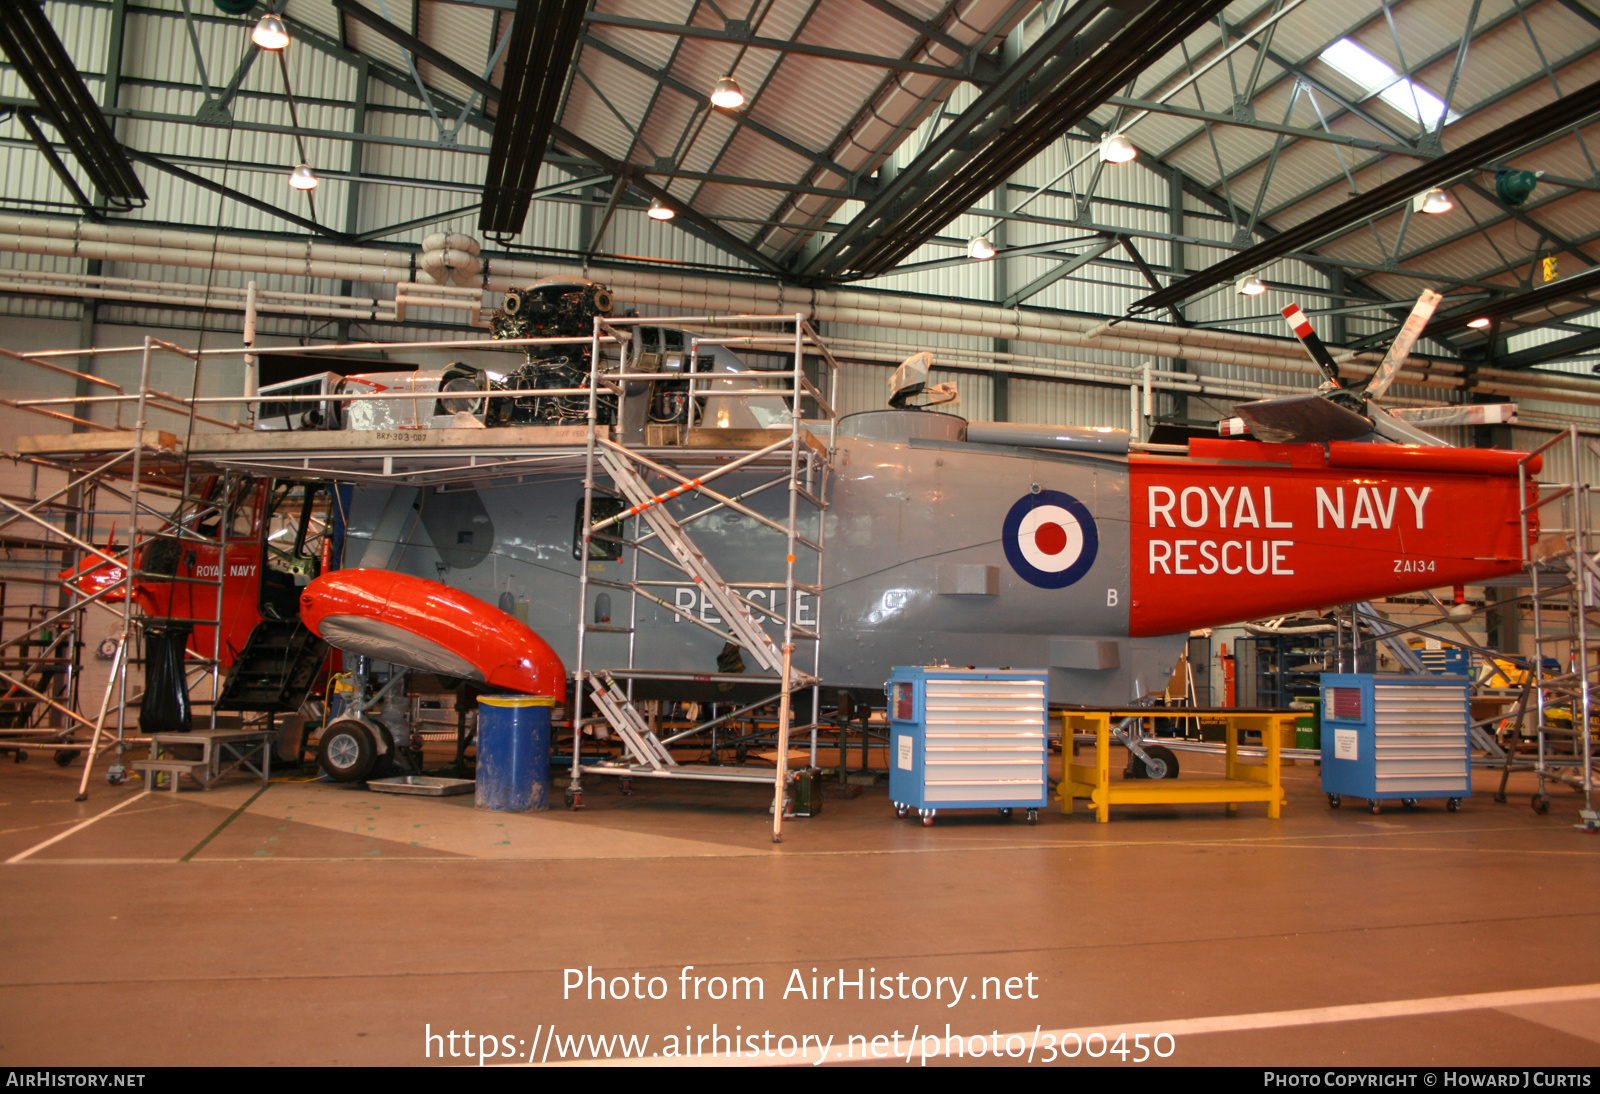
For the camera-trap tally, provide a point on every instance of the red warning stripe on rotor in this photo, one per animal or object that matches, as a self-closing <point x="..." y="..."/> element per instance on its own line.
<point x="1308" y="338"/>
<point x="1297" y="320"/>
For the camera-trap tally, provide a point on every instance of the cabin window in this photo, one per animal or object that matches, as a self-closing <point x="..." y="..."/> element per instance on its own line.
<point x="299" y="520"/>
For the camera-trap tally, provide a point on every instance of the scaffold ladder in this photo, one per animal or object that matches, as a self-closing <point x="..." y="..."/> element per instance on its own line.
<point x="733" y="608"/>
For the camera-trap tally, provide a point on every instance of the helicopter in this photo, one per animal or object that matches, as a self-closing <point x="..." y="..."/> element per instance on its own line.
<point x="1068" y="549"/>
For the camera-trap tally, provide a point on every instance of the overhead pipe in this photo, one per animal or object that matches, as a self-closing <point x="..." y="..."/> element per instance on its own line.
<point x="450" y="257"/>
<point x="317" y="259"/>
<point x="340" y="262"/>
<point x="1046" y="366"/>
<point x="385" y="314"/>
<point x="157" y="246"/>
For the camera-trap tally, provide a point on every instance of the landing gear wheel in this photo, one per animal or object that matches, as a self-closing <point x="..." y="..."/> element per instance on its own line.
<point x="1033" y="816"/>
<point x="66" y="756"/>
<point x="1335" y="800"/>
<point x="901" y="811"/>
<point x="1541" y="804"/>
<point x="347" y="751"/>
<point x="1454" y="805"/>
<point x="1163" y="764"/>
<point x="1377" y="807"/>
<point x="1006" y="813"/>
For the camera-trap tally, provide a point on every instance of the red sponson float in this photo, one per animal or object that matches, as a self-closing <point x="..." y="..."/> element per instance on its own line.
<point x="422" y="624"/>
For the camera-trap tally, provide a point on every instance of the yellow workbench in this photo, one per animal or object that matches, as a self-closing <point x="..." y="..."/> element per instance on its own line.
<point x="1242" y="782"/>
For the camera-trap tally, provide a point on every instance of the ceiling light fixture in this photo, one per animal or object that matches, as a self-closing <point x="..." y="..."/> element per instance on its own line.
<point x="1117" y="148"/>
<point x="1250" y="286"/>
<point x="303" y="178"/>
<point x="270" y="33"/>
<point x="1432" y="201"/>
<point x="1478" y="324"/>
<point x="980" y="248"/>
<point x="659" y="210"/>
<point x="728" y="94"/>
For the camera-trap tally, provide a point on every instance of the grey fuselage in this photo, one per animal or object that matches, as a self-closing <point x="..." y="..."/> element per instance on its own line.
<point x="915" y="569"/>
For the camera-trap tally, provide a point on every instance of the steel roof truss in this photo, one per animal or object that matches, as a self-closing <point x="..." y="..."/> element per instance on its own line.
<point x="781" y="45"/>
<point x="741" y="119"/>
<point x="1537" y="48"/>
<point x="42" y="63"/>
<point x="1522" y="217"/>
<point x="1499" y="96"/>
<point x="1051" y="276"/>
<point x="1056" y="55"/>
<point x="1546" y="123"/>
<point x="47" y="150"/>
<point x="1298" y="132"/>
<point x="234" y="195"/>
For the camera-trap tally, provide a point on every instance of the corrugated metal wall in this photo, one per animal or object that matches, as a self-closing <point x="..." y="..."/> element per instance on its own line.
<point x="1055" y="403"/>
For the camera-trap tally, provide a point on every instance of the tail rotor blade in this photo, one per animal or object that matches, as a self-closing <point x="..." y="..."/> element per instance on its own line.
<point x="1410" y="331"/>
<point x="1308" y="338"/>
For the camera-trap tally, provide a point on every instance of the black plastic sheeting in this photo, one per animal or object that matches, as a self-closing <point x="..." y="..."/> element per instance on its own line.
<point x="165" y="708"/>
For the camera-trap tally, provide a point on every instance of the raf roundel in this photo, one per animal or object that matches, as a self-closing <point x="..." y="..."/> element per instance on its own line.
<point x="1050" y="539"/>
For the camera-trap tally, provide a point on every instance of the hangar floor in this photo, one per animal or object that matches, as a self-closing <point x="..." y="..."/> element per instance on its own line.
<point x="311" y="923"/>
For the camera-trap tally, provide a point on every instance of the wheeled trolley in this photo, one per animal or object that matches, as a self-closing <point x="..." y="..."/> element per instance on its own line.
<point x="967" y="739"/>
<point x="1395" y="738"/>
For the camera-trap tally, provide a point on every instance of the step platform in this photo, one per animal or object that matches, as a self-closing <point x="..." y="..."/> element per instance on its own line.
<point x="207" y="755"/>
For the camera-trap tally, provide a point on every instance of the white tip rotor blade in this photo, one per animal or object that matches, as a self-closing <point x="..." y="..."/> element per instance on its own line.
<point x="1430" y="417"/>
<point x="1410" y="331"/>
<point x="1399" y="431"/>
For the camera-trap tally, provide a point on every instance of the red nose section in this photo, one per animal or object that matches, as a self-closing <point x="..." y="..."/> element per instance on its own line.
<point x="425" y="625"/>
<point x="1241" y="530"/>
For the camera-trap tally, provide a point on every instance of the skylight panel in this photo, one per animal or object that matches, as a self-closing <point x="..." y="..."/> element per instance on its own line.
<point x="1377" y="77"/>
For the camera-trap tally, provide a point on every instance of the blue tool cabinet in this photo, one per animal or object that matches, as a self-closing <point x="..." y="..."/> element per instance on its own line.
<point x="1395" y="738"/>
<point x="967" y="739"/>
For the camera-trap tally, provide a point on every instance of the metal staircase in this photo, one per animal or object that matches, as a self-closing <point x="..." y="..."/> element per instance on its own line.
<point x="734" y="609"/>
<point x="275" y="670"/>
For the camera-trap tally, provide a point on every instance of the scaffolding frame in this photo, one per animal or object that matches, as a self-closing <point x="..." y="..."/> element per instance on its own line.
<point x="155" y="465"/>
<point x="795" y="463"/>
<point x="69" y="518"/>
<point x="1565" y="754"/>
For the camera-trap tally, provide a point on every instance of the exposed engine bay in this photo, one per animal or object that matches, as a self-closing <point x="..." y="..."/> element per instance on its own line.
<point x="555" y="307"/>
<point x="550" y="387"/>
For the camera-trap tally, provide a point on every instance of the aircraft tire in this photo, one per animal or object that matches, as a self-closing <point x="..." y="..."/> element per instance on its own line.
<point x="1168" y="758"/>
<point x="347" y="752"/>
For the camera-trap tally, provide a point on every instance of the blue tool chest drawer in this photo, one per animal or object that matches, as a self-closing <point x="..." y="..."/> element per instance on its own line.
<point x="967" y="739"/>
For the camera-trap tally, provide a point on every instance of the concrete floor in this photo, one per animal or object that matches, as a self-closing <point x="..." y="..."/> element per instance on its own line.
<point x="312" y="923"/>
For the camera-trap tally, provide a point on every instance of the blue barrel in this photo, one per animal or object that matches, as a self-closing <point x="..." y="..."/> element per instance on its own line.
<point x="514" y="752"/>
